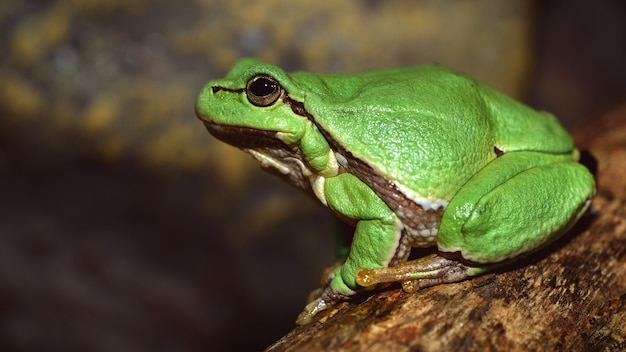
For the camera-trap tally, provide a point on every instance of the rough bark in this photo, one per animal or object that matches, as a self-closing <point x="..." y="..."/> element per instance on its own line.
<point x="570" y="296"/>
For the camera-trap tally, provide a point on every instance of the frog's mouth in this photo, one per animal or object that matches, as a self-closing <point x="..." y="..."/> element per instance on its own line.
<point x="245" y="137"/>
<point x="273" y="154"/>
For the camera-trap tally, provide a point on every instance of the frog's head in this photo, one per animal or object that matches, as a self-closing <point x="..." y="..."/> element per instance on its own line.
<point x="251" y="109"/>
<point x="259" y="108"/>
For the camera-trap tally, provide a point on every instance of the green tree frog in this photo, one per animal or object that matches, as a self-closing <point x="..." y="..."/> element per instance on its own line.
<point x="412" y="157"/>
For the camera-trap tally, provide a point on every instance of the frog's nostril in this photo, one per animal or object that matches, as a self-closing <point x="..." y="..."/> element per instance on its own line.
<point x="215" y="89"/>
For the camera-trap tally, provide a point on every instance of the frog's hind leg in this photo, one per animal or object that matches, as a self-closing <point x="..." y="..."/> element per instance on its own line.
<point x="518" y="203"/>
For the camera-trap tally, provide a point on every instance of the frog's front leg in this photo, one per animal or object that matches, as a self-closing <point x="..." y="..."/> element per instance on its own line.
<point x="376" y="238"/>
<point x="516" y="204"/>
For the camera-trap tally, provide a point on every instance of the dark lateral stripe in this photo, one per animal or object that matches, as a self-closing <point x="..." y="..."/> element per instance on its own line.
<point x="216" y="89"/>
<point x="298" y="107"/>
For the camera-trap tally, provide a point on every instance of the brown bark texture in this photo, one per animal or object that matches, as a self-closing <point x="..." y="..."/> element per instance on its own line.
<point x="569" y="296"/>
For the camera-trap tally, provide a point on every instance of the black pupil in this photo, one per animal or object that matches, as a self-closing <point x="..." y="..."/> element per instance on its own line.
<point x="262" y="87"/>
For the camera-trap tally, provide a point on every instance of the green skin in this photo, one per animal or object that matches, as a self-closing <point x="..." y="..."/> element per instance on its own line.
<point x="414" y="157"/>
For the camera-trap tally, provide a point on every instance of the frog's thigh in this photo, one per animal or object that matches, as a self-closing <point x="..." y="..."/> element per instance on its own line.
<point x="377" y="231"/>
<point x="517" y="203"/>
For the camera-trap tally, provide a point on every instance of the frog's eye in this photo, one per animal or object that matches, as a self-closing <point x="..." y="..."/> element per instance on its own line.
<point x="263" y="90"/>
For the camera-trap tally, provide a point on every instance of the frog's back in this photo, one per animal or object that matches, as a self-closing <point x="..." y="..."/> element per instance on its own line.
<point x="426" y="128"/>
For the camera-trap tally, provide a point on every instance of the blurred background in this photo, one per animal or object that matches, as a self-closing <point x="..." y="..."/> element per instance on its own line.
<point x="124" y="226"/>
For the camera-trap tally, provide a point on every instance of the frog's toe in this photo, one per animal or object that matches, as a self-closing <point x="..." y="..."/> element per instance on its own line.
<point x="325" y="299"/>
<point x="310" y="310"/>
<point x="424" y="272"/>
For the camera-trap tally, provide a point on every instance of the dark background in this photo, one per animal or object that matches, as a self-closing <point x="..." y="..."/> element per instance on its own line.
<point x="125" y="227"/>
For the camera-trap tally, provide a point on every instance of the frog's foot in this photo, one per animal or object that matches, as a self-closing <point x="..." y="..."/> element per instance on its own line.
<point x="311" y="309"/>
<point x="424" y="272"/>
<point x="326" y="299"/>
<point x="315" y="302"/>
